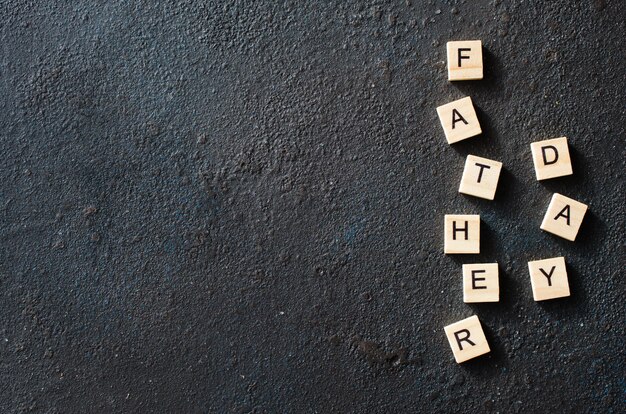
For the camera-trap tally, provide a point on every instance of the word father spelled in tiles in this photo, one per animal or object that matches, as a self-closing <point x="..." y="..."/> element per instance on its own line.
<point x="551" y="159"/>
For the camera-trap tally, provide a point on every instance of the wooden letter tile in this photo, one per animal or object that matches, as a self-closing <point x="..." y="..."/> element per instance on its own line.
<point x="462" y="234"/>
<point x="551" y="158"/>
<point x="564" y="217"/>
<point x="480" y="177"/>
<point x="467" y="339"/>
<point x="480" y="283"/>
<point x="548" y="278"/>
<point x="465" y="60"/>
<point x="458" y="119"/>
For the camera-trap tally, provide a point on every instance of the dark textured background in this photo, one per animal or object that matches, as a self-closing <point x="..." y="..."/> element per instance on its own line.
<point x="239" y="207"/>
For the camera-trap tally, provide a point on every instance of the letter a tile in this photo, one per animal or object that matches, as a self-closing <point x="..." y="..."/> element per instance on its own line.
<point x="564" y="217"/>
<point x="467" y="339"/>
<point x="459" y="120"/>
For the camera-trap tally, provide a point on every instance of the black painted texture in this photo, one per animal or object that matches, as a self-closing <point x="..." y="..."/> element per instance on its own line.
<point x="238" y="206"/>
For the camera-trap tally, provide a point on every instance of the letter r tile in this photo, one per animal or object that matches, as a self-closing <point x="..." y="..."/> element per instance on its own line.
<point x="467" y="339"/>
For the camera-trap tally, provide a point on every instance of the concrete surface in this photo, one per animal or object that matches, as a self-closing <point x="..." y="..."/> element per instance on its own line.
<point x="238" y="207"/>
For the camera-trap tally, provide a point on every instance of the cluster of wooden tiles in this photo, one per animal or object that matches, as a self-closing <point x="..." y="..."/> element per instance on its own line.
<point x="480" y="178"/>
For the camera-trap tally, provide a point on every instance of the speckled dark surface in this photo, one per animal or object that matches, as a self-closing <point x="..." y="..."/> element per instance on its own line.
<point x="239" y="208"/>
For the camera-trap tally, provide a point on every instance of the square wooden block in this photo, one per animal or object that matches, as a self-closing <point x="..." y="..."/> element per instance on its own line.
<point x="548" y="278"/>
<point x="480" y="283"/>
<point x="459" y="120"/>
<point x="462" y="234"/>
<point x="564" y="217"/>
<point x="465" y="60"/>
<point x="467" y="339"/>
<point x="551" y="158"/>
<point x="480" y="177"/>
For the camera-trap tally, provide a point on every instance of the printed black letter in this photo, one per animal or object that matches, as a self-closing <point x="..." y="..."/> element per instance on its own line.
<point x="463" y="49"/>
<point x="482" y="167"/>
<point x="545" y="158"/>
<point x="457" y="118"/>
<point x="548" y="275"/>
<point x="474" y="279"/>
<point x="564" y="213"/>
<point x="463" y="229"/>
<point x="466" y="339"/>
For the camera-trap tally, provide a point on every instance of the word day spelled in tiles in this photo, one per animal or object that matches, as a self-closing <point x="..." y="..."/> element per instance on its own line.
<point x="480" y="283"/>
<point x="551" y="158"/>
<point x="465" y="60"/>
<point x="564" y="217"/>
<point x="467" y="339"/>
<point x="461" y="234"/>
<point x="548" y="278"/>
<point x="480" y="177"/>
<point x="459" y="120"/>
